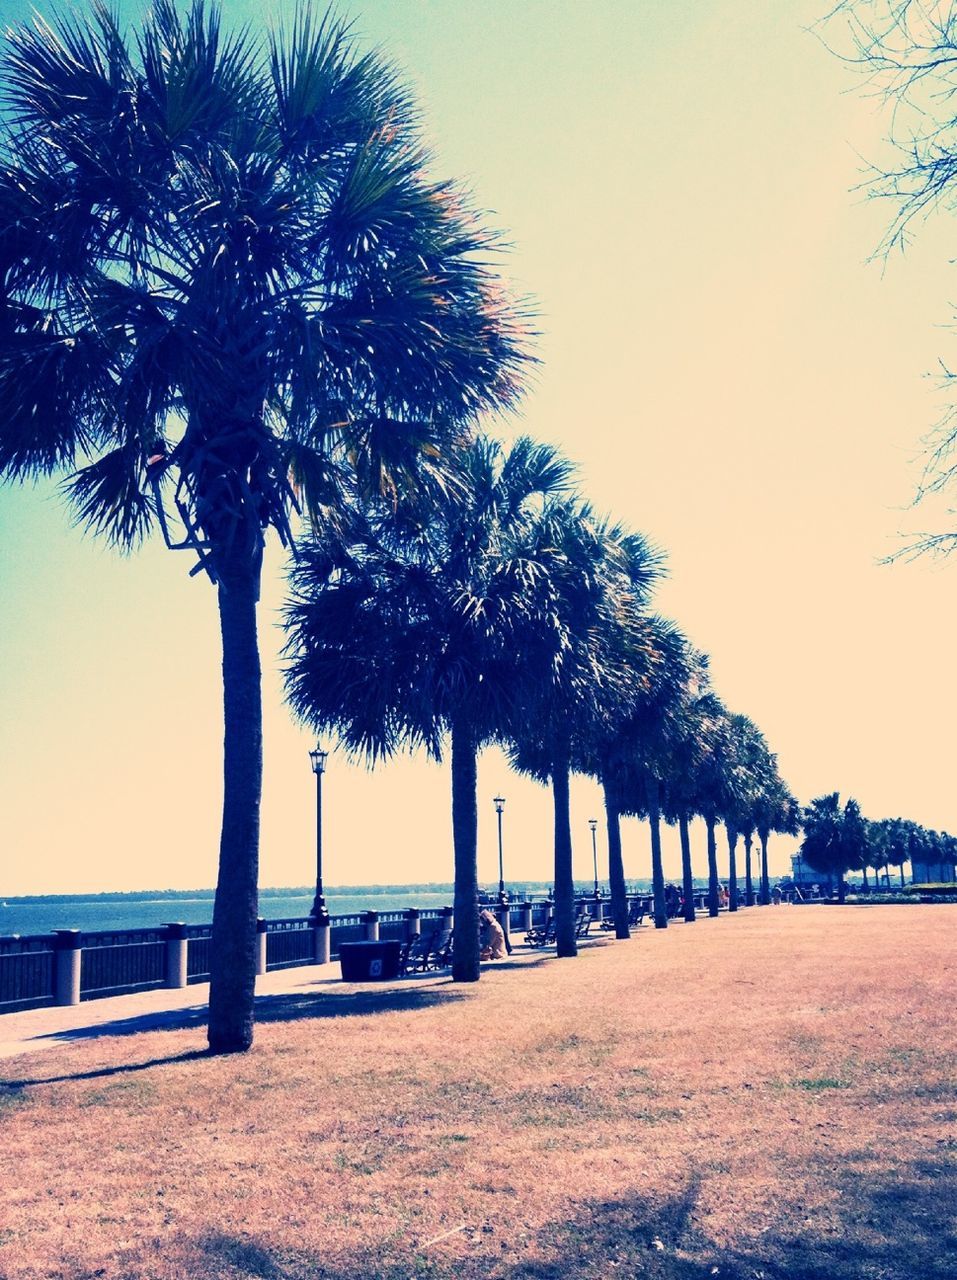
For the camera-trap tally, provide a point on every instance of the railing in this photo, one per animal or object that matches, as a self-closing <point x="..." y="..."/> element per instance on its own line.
<point x="289" y="942"/>
<point x="26" y="971"/>
<point x="198" y="940"/>
<point x="114" y="963"/>
<point x="68" y="966"/>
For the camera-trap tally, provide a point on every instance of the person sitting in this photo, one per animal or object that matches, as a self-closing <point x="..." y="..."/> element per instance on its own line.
<point x="492" y="937"/>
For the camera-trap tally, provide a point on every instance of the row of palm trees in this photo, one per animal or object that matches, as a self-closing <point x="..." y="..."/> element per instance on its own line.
<point x="234" y="299"/>
<point x="232" y="294"/>
<point x="507" y="611"/>
<point x="838" y="838"/>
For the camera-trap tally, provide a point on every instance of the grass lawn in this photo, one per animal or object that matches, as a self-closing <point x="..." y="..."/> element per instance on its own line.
<point x="768" y="1095"/>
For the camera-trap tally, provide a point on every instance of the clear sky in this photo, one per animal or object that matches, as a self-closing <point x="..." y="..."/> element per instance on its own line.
<point x="733" y="376"/>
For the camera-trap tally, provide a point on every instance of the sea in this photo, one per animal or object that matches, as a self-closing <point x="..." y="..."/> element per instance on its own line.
<point x="92" y="913"/>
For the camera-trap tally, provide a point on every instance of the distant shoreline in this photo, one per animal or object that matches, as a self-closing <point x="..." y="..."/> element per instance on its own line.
<point x="177" y="895"/>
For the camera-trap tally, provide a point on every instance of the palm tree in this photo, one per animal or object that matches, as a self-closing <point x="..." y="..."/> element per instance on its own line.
<point x="597" y="657"/>
<point x="916" y="847"/>
<point x="880" y="840"/>
<point x="746" y="773"/>
<point x="853" y="840"/>
<point x="896" y="843"/>
<point x="225" y="276"/>
<point x="713" y="783"/>
<point x="421" y="631"/>
<point x="776" y="810"/>
<point x="607" y="757"/>
<point x="821" y="847"/>
<point x="689" y="751"/>
<point x="644" y="744"/>
<point x="731" y="827"/>
<point x="835" y="838"/>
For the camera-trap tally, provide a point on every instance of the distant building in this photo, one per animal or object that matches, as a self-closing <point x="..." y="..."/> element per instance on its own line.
<point x="932" y="873"/>
<point x="804" y="874"/>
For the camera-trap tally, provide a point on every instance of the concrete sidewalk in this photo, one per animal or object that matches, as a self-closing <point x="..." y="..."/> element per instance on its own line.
<point x="283" y="993"/>
<point x="45" y="1028"/>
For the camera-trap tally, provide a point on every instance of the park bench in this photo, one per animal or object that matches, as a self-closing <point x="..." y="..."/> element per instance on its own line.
<point x="545" y="937"/>
<point x="636" y="916"/>
<point x="413" y="954"/>
<point x="541" y="937"/>
<point x="427" y="952"/>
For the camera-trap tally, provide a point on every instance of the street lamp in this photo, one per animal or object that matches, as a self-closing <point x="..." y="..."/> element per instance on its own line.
<point x="318" y="758"/>
<point x="499" y="802"/>
<point x="593" y="823"/>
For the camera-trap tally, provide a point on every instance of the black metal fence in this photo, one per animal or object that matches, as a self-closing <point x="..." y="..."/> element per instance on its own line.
<point x="26" y="971"/>
<point x="115" y="962"/>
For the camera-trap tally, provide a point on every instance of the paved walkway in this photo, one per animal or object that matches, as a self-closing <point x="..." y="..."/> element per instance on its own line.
<point x="34" y="1029"/>
<point x="281" y="994"/>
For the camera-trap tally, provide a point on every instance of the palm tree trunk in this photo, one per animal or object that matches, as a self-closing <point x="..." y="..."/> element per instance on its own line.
<point x="616" y="868"/>
<point x="653" y="792"/>
<point x="687" y="878"/>
<point x="465" y="942"/>
<point x="748" y="882"/>
<point x="864" y="873"/>
<point x="564" y="883"/>
<point x="902" y="876"/>
<point x="765" y="897"/>
<point x="712" y="868"/>
<point x="732" y="868"/>
<point x="233" y="950"/>
<point x="841" y="887"/>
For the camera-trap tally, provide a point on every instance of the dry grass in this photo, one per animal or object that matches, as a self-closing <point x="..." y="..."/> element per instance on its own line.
<point x="762" y="1096"/>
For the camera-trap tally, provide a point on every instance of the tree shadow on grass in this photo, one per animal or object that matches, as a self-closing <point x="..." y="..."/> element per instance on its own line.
<point x="898" y="1226"/>
<point x="287" y="1007"/>
<point x="190" y="1055"/>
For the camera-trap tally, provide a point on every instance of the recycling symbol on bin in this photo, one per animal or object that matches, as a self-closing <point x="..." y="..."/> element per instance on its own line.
<point x="375" y="968"/>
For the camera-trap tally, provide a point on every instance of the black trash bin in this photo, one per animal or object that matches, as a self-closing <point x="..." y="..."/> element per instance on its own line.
<point x="369" y="961"/>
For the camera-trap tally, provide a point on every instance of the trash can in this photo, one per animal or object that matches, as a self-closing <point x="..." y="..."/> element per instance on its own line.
<point x="369" y="961"/>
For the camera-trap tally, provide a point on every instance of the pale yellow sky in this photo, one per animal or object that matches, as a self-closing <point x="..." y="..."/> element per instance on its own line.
<point x="733" y="377"/>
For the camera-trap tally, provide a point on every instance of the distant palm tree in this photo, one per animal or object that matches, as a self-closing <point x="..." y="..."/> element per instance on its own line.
<point x="598" y="615"/>
<point x="644" y="743"/>
<point x="879" y="839"/>
<point x="713" y="784"/>
<point x="775" y="810"/>
<point x="604" y="757"/>
<point x="916" y="845"/>
<point x="688" y="755"/>
<point x="747" y="772"/>
<point x="226" y="279"/>
<point x="428" y="628"/>
<point x="617" y="887"/>
<point x="835" y="838"/>
<point x="748" y="836"/>
<point x="900" y="844"/>
<point x="731" y="827"/>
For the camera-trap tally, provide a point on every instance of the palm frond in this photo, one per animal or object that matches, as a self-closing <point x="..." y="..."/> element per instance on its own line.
<point x="109" y="497"/>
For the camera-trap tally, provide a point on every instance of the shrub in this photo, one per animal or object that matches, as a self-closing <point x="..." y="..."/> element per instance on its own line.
<point x="946" y="890"/>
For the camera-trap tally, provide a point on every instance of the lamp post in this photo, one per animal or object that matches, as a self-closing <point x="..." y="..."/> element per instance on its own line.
<point x="593" y="823"/>
<point x="499" y="803"/>
<point x="318" y="758"/>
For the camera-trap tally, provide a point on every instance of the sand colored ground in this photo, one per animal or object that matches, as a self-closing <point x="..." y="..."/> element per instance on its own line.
<point x="768" y="1095"/>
